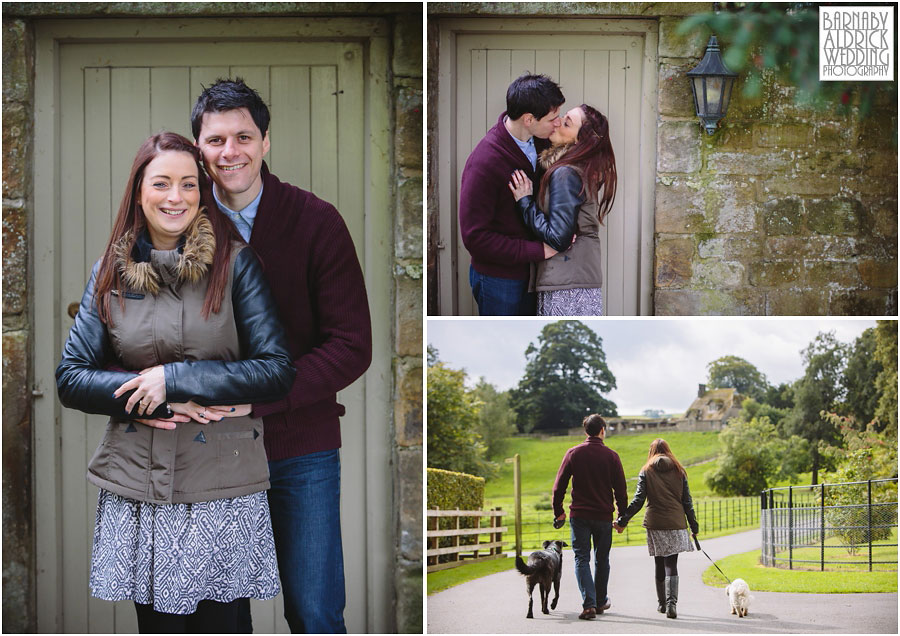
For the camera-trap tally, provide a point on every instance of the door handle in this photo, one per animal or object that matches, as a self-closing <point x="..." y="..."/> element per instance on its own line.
<point x="72" y="310"/>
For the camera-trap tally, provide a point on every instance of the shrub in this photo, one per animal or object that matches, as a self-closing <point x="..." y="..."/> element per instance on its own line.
<point x="448" y="490"/>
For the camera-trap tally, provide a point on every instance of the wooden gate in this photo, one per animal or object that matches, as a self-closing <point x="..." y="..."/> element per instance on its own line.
<point x="609" y="64"/>
<point x="102" y="88"/>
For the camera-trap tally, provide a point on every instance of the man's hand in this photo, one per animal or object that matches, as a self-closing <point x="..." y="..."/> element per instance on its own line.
<point x="549" y="252"/>
<point x="559" y="521"/>
<point x="618" y="528"/>
<point x="168" y="423"/>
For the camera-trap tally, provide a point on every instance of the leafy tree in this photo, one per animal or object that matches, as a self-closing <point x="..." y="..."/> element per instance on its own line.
<point x="497" y="420"/>
<point x="654" y="413"/>
<point x="751" y="409"/>
<point x="779" y="397"/>
<point x="859" y="380"/>
<point x="453" y="440"/>
<point x="433" y="355"/>
<point x="736" y="373"/>
<point x="763" y="39"/>
<point x="753" y="456"/>
<point x="819" y="391"/>
<point x="886" y="383"/>
<point x="565" y="377"/>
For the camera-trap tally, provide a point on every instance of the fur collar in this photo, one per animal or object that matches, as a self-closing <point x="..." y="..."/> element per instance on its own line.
<point x="552" y="154"/>
<point x="196" y="255"/>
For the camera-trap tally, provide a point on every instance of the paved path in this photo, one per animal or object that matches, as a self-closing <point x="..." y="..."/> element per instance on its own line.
<point x="497" y="604"/>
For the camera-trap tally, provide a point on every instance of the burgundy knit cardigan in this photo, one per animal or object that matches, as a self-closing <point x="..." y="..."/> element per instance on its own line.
<point x="311" y="265"/>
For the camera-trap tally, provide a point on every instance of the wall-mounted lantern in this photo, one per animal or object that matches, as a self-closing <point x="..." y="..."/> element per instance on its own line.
<point x="711" y="83"/>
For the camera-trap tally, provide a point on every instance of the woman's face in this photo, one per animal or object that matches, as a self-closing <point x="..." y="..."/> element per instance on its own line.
<point x="170" y="197"/>
<point x="567" y="133"/>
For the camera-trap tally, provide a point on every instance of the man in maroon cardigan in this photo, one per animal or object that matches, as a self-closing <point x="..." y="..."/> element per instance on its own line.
<point x="495" y="235"/>
<point x="596" y="474"/>
<point x="311" y="265"/>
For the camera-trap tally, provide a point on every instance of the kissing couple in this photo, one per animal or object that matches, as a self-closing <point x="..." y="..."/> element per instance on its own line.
<point x="533" y="194"/>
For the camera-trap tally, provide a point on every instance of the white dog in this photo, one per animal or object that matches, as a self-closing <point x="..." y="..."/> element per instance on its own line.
<point x="739" y="597"/>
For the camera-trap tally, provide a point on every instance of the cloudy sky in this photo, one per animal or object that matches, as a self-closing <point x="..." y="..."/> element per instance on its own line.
<point x="657" y="363"/>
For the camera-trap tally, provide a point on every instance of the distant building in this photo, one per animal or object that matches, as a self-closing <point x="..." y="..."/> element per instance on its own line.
<point x="711" y="410"/>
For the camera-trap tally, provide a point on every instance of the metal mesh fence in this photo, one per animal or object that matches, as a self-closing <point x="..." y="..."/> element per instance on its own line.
<point x="848" y="526"/>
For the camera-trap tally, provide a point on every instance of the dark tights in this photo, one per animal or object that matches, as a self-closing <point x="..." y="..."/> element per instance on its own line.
<point x="211" y="617"/>
<point x="666" y="566"/>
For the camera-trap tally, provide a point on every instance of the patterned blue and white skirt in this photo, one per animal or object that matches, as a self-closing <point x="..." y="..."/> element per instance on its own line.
<point x="174" y="555"/>
<point x="571" y="302"/>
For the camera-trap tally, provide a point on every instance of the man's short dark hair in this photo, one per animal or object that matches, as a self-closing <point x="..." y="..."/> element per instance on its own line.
<point x="535" y="94"/>
<point x="229" y="94"/>
<point x="593" y="424"/>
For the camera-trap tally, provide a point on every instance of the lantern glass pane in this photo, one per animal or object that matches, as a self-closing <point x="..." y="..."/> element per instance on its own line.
<point x="729" y="84"/>
<point x="699" y="95"/>
<point x="714" y="95"/>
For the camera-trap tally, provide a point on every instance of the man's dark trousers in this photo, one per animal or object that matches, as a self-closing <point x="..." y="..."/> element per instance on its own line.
<point x="584" y="532"/>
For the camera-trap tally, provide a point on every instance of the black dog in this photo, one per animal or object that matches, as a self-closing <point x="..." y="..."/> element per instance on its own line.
<point x="544" y="568"/>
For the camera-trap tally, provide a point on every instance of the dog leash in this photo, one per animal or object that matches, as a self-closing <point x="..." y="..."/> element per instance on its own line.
<point x="697" y="543"/>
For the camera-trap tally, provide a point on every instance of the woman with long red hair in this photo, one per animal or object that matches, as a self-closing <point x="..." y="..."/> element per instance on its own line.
<point x="576" y="193"/>
<point x="176" y="330"/>
<point x="663" y="484"/>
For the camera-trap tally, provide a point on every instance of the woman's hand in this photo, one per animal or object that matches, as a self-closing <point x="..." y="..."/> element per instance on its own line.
<point x="149" y="390"/>
<point x="196" y="412"/>
<point x="520" y="185"/>
<point x="238" y="410"/>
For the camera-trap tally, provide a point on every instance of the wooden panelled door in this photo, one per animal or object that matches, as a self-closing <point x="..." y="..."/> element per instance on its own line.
<point x="112" y="96"/>
<point x="605" y="70"/>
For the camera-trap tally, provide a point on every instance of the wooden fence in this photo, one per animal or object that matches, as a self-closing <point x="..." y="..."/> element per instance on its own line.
<point x="466" y="552"/>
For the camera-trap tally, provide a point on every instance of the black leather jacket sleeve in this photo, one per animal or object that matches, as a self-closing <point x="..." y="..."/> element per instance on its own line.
<point x="637" y="502"/>
<point x="266" y="371"/>
<point x="557" y="227"/>
<point x="82" y="379"/>
<point x="688" y="504"/>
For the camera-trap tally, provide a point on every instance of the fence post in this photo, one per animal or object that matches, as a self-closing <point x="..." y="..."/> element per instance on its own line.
<point x="870" y="524"/>
<point x="455" y="541"/>
<point x="517" y="490"/>
<point x="822" y="529"/>
<point x="790" y="527"/>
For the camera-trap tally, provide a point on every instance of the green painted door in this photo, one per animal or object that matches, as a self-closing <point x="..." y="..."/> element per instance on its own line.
<point x="111" y="96"/>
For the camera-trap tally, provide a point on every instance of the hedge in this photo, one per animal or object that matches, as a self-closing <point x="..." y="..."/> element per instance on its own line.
<point x="448" y="490"/>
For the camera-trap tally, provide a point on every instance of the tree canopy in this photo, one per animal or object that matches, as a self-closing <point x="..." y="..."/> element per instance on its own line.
<point x="886" y="383"/>
<point x="736" y="373"/>
<point x="565" y="376"/>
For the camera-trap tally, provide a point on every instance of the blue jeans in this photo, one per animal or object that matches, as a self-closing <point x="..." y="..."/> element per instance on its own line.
<point x="501" y="296"/>
<point x="305" y="504"/>
<point x="584" y="531"/>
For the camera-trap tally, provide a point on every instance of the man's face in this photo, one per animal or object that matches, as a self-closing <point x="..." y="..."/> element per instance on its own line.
<point x="542" y="128"/>
<point x="233" y="149"/>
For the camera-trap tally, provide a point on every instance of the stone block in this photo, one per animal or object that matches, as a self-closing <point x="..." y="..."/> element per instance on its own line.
<point x="793" y="302"/>
<point x="783" y="216"/>
<point x="834" y="274"/>
<point x="878" y="131"/>
<point x="16" y="144"/>
<point x="18" y="62"/>
<point x="863" y="303"/>
<point x="878" y="273"/>
<point x="673" y="44"/>
<point x="675" y="97"/>
<point x="782" y="135"/>
<point x="408" y="221"/>
<point x="673" y="262"/>
<point x="409" y="310"/>
<point x="703" y="302"/>
<point x="408" y="130"/>
<point x="838" y="216"/>
<point x="880" y="163"/>
<point x="679" y="207"/>
<point x="408" y="586"/>
<point x="409" y="498"/>
<point x="833" y="135"/>
<point x="841" y="248"/>
<point x="16" y="395"/>
<point x="732" y="136"/>
<point x="806" y="185"/>
<point x="408" y="402"/>
<point x="774" y="273"/>
<point x="732" y="201"/>
<point x="730" y="248"/>
<point x="407" y="55"/>
<point x="863" y="186"/>
<point x="884" y="218"/>
<point x="15" y="258"/>
<point x="717" y="274"/>
<point x="678" y="146"/>
<point x="745" y="163"/>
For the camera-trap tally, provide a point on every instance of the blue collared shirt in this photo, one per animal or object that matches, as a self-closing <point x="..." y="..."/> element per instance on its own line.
<point x="248" y="214"/>
<point x="528" y="148"/>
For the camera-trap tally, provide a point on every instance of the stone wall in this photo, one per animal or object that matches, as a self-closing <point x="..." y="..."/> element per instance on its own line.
<point x="784" y="210"/>
<point x="18" y="86"/>
<point x="18" y="511"/>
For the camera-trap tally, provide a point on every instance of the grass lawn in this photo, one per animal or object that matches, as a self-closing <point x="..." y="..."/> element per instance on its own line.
<point x="443" y="579"/>
<point x="762" y="579"/>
